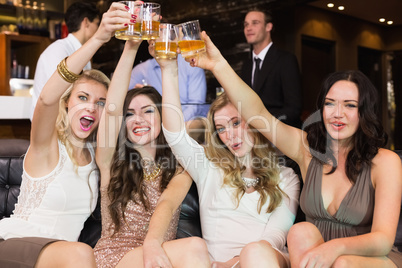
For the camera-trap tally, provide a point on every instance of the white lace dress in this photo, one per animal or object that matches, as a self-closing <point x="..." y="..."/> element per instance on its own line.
<point x="56" y="205"/>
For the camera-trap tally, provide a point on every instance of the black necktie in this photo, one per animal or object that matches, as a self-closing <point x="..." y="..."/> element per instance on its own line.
<point x="256" y="71"/>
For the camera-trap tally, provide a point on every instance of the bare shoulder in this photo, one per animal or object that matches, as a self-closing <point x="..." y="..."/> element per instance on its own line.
<point x="386" y="158"/>
<point x="386" y="166"/>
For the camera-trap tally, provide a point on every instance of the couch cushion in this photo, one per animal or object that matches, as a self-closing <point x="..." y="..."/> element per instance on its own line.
<point x="189" y="223"/>
<point x="13" y="147"/>
<point x="10" y="181"/>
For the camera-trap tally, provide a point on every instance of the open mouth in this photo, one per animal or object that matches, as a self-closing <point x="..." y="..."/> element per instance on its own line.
<point x="86" y="122"/>
<point x="338" y="125"/>
<point x="236" y="146"/>
<point x="139" y="131"/>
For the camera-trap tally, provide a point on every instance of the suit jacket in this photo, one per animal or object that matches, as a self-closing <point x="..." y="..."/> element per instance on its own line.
<point x="278" y="85"/>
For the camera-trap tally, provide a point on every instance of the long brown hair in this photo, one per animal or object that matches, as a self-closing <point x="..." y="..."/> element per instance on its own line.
<point x="266" y="168"/>
<point x="126" y="173"/>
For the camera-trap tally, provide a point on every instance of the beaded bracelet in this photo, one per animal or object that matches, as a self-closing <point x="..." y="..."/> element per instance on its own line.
<point x="65" y="73"/>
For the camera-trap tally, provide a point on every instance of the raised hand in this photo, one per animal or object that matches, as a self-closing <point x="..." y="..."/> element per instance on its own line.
<point x="209" y="59"/>
<point x="116" y="18"/>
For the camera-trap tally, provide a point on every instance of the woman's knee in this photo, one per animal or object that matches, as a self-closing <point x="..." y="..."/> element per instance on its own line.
<point x="341" y="262"/>
<point x="302" y="231"/>
<point x="82" y="251"/>
<point x="257" y="250"/>
<point x="197" y="245"/>
<point x="66" y="254"/>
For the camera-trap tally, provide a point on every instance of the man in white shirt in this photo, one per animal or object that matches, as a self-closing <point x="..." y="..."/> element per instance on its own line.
<point x="82" y="20"/>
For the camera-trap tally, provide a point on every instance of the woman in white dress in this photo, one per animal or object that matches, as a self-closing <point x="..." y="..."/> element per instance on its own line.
<point x="60" y="183"/>
<point x="248" y="201"/>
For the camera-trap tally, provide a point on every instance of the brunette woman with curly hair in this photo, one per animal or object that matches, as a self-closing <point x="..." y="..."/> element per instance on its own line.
<point x="352" y="186"/>
<point x="248" y="201"/>
<point x="142" y="186"/>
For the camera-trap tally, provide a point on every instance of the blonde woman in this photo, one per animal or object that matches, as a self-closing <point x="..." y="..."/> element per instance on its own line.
<point x="247" y="201"/>
<point x="60" y="183"/>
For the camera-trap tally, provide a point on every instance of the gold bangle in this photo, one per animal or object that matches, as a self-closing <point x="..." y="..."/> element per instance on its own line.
<point x="65" y="73"/>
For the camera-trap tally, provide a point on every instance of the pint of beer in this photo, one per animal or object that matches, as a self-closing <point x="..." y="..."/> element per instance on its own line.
<point x="132" y="31"/>
<point x="150" y="20"/>
<point x="190" y="42"/>
<point x="166" y="43"/>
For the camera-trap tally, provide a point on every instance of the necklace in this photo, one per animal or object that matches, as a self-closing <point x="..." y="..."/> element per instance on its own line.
<point x="149" y="176"/>
<point x="150" y="169"/>
<point x="250" y="182"/>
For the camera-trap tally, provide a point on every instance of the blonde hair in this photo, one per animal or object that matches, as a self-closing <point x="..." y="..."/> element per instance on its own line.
<point x="62" y="123"/>
<point x="266" y="168"/>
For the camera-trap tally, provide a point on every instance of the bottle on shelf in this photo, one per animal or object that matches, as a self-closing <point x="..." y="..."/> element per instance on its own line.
<point x="35" y="16"/>
<point x="43" y="18"/>
<point x="28" y="15"/>
<point x="20" y="15"/>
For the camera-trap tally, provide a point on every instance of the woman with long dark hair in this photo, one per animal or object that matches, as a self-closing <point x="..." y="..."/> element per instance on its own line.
<point x="142" y="186"/>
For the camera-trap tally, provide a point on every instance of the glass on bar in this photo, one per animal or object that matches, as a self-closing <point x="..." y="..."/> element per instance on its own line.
<point x="132" y="31"/>
<point x="166" y="43"/>
<point x="190" y="41"/>
<point x="150" y="20"/>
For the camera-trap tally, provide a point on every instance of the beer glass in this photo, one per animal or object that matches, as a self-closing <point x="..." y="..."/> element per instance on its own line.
<point x="132" y="31"/>
<point x="190" y="41"/>
<point x="166" y="43"/>
<point x="150" y="20"/>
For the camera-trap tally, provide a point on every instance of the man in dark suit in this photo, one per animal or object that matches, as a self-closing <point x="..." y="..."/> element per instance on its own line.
<point x="273" y="74"/>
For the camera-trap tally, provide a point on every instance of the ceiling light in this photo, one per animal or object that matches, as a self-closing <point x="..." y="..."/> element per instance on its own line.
<point x="382" y="20"/>
<point x="330" y="5"/>
<point x="341" y="7"/>
<point x="390" y="22"/>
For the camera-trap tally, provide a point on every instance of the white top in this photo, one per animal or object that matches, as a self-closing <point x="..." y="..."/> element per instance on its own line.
<point x="56" y="205"/>
<point x="48" y="61"/>
<point x="225" y="228"/>
<point x="261" y="56"/>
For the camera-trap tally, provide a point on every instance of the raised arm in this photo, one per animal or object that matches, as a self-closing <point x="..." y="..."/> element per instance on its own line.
<point x="288" y="139"/>
<point x="44" y="119"/>
<point x="111" y="119"/>
<point x="172" y="115"/>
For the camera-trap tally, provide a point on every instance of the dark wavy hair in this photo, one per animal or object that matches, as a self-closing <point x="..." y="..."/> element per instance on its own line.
<point x="76" y="13"/>
<point x="126" y="173"/>
<point x="369" y="137"/>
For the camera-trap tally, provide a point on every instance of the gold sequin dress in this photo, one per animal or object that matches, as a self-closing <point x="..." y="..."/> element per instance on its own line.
<point x="110" y="250"/>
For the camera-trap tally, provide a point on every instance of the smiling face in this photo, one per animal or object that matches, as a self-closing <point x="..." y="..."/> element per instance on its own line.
<point x="85" y="106"/>
<point x="256" y="30"/>
<point x="233" y="131"/>
<point x="143" y="121"/>
<point x="340" y="112"/>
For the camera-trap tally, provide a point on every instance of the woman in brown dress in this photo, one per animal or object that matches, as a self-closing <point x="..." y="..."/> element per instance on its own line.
<point x="353" y="186"/>
<point x="142" y="187"/>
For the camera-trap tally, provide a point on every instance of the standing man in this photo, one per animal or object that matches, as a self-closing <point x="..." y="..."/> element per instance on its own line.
<point x="273" y="74"/>
<point x="82" y="20"/>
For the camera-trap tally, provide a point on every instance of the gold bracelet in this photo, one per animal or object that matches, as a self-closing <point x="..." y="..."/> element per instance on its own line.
<point x="65" y="73"/>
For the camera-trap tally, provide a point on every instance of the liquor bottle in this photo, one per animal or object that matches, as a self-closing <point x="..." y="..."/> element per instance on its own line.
<point x="20" y="15"/>
<point x="35" y="16"/>
<point x="28" y="15"/>
<point x="43" y="17"/>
